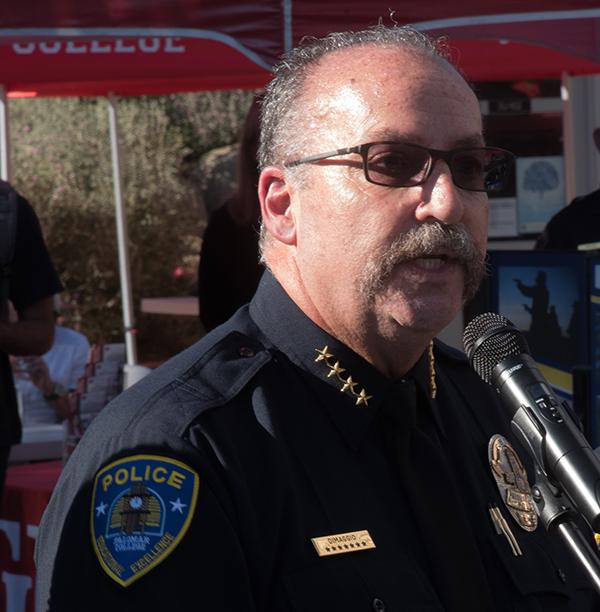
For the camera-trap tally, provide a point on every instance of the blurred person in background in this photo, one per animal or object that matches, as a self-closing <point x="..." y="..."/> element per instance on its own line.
<point x="229" y="268"/>
<point x="575" y="224"/>
<point x="44" y="382"/>
<point x="29" y="282"/>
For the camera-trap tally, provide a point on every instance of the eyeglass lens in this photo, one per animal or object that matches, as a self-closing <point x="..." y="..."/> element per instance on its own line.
<point x="402" y="165"/>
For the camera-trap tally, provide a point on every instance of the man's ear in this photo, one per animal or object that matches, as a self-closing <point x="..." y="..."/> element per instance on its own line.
<point x="275" y="204"/>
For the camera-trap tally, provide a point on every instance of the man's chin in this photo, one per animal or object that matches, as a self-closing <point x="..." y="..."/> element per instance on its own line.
<point x="424" y="315"/>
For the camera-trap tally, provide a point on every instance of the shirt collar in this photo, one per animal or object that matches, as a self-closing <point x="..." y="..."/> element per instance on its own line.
<point x="357" y="387"/>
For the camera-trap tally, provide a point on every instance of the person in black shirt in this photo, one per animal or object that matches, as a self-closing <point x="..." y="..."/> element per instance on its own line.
<point x="229" y="269"/>
<point x="32" y="284"/>
<point x="575" y="224"/>
<point x="321" y="450"/>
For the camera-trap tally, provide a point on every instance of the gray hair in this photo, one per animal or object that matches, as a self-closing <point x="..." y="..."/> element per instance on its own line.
<point x="279" y="105"/>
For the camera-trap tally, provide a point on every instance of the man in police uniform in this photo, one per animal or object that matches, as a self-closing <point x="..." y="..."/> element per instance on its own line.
<point x="319" y="451"/>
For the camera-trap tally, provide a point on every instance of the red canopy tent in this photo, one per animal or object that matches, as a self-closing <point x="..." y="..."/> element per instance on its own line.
<point x="135" y="47"/>
<point x="132" y="47"/>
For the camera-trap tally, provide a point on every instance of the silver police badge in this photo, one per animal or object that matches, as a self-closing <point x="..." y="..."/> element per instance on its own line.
<point x="511" y="478"/>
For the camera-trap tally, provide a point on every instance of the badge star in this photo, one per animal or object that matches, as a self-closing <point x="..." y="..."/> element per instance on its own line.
<point x="324" y="354"/>
<point x="336" y="369"/>
<point x="177" y="506"/>
<point x="101" y="509"/>
<point x="349" y="384"/>
<point x="363" y="398"/>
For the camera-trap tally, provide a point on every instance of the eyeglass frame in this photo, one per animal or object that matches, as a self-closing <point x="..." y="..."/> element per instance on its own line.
<point x="434" y="155"/>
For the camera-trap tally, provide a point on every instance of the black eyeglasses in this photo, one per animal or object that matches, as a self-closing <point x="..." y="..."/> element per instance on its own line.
<point x="400" y="164"/>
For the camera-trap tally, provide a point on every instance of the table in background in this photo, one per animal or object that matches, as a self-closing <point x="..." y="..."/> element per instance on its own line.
<point x="171" y="305"/>
<point x="26" y="493"/>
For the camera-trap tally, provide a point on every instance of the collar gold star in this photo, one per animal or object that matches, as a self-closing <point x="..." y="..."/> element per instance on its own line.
<point x="363" y="398"/>
<point x="336" y="370"/>
<point x="324" y="354"/>
<point x="347" y="384"/>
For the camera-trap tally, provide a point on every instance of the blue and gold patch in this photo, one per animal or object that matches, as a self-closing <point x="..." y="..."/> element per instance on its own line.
<point x="142" y="507"/>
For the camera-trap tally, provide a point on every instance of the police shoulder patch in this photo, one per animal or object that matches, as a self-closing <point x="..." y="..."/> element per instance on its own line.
<point x="142" y="506"/>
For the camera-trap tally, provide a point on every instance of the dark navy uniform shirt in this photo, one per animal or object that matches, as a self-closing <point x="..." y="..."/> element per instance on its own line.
<point x="280" y="453"/>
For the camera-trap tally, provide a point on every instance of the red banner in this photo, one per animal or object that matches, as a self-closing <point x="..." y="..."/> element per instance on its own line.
<point x="27" y="491"/>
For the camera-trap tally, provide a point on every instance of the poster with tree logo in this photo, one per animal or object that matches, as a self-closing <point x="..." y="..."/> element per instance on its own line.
<point x="540" y="191"/>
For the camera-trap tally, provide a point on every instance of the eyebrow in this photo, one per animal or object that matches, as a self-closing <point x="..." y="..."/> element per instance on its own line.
<point x="471" y="140"/>
<point x="476" y="140"/>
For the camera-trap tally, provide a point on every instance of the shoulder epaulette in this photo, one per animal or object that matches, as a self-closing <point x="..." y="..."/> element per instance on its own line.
<point x="206" y="375"/>
<point x="225" y="368"/>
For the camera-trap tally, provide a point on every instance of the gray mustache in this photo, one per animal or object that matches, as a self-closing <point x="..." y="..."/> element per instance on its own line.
<point x="424" y="240"/>
<point x="431" y="238"/>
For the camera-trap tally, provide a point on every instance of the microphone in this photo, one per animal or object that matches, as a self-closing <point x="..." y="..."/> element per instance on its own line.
<point x="499" y="353"/>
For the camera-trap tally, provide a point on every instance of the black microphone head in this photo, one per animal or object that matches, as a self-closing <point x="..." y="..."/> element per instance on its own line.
<point x="489" y="339"/>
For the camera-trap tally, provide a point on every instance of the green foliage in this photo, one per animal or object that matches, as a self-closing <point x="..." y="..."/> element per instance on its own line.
<point x="209" y="120"/>
<point x="62" y="164"/>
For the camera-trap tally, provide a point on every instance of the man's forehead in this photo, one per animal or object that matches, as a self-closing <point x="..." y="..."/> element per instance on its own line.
<point x="375" y="60"/>
<point x="371" y="71"/>
<point x="356" y="88"/>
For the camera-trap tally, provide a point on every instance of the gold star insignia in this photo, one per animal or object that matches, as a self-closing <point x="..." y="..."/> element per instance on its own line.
<point x="335" y="369"/>
<point x="348" y="384"/>
<point x="363" y="398"/>
<point x="324" y="354"/>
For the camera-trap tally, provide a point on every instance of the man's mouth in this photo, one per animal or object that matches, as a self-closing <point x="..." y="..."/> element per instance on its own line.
<point x="430" y="248"/>
<point x="431" y="262"/>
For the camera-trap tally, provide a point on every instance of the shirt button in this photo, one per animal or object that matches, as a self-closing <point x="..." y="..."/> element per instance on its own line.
<point x="378" y="605"/>
<point x="246" y="351"/>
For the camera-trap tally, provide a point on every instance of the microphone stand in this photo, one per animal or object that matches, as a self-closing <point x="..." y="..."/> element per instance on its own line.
<point x="558" y="516"/>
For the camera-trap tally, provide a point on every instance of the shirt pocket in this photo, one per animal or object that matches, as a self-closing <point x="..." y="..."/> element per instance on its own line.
<point x="373" y="584"/>
<point x="545" y="578"/>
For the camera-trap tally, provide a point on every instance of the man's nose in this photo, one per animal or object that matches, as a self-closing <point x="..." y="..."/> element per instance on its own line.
<point x="442" y="199"/>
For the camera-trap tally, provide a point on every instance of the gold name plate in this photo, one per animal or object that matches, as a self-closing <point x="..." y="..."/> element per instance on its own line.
<point x="341" y="543"/>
